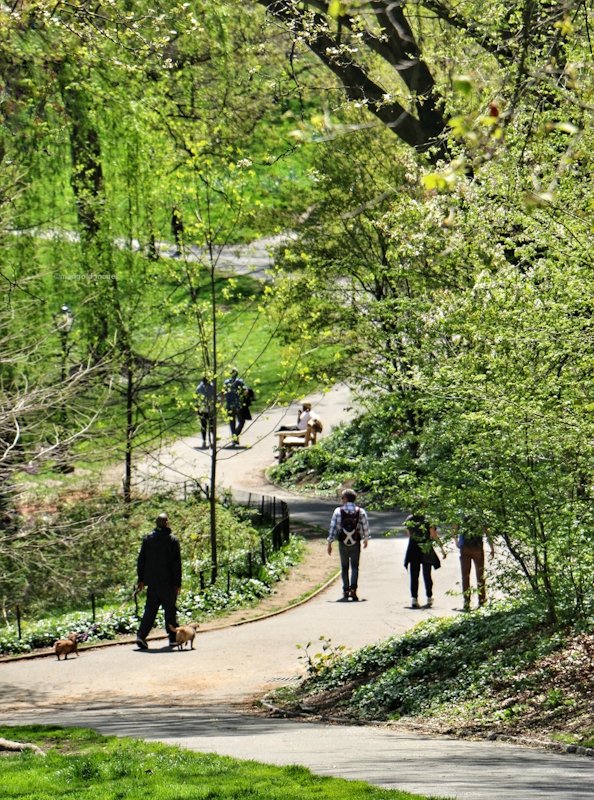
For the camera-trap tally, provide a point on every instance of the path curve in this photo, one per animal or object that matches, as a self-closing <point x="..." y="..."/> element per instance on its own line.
<point x="198" y="698"/>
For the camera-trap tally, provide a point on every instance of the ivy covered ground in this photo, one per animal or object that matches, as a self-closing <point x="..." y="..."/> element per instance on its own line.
<point x="498" y="672"/>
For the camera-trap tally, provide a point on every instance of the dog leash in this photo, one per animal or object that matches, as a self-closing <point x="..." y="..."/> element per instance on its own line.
<point x="84" y="635"/>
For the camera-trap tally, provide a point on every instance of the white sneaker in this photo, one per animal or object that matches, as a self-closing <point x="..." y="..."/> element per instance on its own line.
<point x="414" y="603"/>
<point x="429" y="602"/>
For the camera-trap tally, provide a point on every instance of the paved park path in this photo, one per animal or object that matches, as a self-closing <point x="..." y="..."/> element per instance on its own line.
<point x="201" y="699"/>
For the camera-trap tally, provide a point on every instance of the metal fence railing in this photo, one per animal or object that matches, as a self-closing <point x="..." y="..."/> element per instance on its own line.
<point x="267" y="511"/>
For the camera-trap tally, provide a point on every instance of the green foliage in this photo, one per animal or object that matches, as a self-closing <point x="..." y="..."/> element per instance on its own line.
<point x="79" y="761"/>
<point x="449" y="663"/>
<point x="89" y="544"/>
<point x="362" y="454"/>
<point x="463" y="302"/>
<point x="418" y="281"/>
<point x="329" y="656"/>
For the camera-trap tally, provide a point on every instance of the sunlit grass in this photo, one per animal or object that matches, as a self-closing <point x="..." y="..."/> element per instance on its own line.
<point x="82" y="763"/>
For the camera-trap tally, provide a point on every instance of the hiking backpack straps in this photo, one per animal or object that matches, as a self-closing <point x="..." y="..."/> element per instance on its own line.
<point x="349" y="526"/>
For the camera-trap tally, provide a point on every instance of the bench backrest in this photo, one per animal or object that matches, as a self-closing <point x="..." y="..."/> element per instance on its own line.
<point x="314" y="426"/>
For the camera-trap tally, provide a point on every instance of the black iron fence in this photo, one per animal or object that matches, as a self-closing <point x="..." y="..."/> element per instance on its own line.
<point x="266" y="511"/>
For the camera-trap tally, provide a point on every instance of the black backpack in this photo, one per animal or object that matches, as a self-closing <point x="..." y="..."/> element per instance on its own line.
<point x="349" y="526"/>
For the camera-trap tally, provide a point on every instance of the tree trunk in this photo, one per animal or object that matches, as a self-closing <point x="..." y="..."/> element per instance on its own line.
<point x="397" y="47"/>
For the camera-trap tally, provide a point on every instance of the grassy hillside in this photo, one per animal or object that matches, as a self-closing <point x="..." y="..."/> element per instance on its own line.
<point x="499" y="672"/>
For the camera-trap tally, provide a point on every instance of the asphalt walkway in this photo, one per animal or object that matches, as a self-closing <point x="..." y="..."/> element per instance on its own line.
<point x="197" y="699"/>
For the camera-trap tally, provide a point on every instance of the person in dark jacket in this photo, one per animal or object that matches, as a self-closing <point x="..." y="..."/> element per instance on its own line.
<point x="159" y="569"/>
<point x="421" y="555"/>
<point x="238" y="397"/>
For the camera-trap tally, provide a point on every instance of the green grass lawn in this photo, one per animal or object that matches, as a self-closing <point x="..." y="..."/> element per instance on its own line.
<point x="81" y="763"/>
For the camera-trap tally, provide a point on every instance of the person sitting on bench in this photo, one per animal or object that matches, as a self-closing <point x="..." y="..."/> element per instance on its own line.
<point x="303" y="416"/>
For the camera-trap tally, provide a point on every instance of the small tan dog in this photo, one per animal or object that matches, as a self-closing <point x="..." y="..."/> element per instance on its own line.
<point x="67" y="645"/>
<point x="184" y="634"/>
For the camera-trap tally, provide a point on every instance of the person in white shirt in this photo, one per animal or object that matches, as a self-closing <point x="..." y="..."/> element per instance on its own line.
<point x="303" y="416"/>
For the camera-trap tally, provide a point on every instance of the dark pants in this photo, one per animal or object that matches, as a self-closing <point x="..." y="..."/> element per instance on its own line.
<point x="415" y="568"/>
<point x="157" y="596"/>
<point x="206" y="425"/>
<point x="468" y="556"/>
<point x="236" y="421"/>
<point x="349" y="559"/>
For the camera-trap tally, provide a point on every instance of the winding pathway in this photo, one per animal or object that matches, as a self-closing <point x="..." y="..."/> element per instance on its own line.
<point x="201" y="699"/>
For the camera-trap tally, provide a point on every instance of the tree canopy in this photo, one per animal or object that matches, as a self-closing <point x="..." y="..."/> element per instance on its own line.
<point x="434" y="162"/>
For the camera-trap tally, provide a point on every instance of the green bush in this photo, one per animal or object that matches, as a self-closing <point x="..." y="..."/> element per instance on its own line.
<point x="439" y="661"/>
<point x="99" y="558"/>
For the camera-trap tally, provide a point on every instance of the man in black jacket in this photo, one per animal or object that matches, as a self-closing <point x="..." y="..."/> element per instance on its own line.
<point x="159" y="569"/>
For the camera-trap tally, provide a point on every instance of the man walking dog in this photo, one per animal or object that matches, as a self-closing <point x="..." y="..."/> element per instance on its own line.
<point x="350" y="526"/>
<point x="159" y="569"/>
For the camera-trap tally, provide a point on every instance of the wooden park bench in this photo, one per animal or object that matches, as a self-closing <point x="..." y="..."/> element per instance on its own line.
<point x="288" y="441"/>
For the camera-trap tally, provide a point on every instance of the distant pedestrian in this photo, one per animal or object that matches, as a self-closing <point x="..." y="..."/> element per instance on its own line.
<point x="470" y="531"/>
<point x="177" y="230"/>
<point x="420" y="554"/>
<point x="235" y="395"/>
<point x="247" y="398"/>
<point x="159" y="569"/>
<point x="205" y="408"/>
<point x="350" y="526"/>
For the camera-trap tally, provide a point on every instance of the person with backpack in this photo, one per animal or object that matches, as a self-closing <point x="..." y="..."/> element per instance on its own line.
<point x="350" y="526"/>
<point x="470" y="533"/>
<point x="421" y="555"/>
<point x="159" y="568"/>
<point x="236" y="398"/>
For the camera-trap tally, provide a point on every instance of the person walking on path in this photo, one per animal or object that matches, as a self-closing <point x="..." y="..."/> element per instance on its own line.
<point x="205" y="407"/>
<point x="159" y="569"/>
<point x="177" y="230"/>
<point x="235" y="391"/>
<point x="350" y="525"/>
<point x="470" y="532"/>
<point x="421" y="555"/>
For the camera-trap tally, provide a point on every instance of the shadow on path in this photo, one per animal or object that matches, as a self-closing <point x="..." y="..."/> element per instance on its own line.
<point x="432" y="766"/>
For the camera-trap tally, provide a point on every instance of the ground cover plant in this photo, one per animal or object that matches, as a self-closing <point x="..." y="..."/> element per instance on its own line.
<point x="88" y="545"/>
<point x="79" y="761"/>
<point x="501" y="670"/>
<point x="358" y="454"/>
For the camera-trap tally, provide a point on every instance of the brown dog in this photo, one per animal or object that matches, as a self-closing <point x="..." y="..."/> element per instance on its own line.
<point x="65" y="646"/>
<point x="184" y="634"/>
